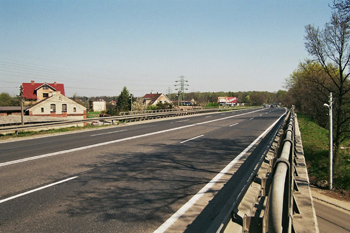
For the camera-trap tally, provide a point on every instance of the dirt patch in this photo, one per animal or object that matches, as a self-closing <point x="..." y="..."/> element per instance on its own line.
<point x="338" y="194"/>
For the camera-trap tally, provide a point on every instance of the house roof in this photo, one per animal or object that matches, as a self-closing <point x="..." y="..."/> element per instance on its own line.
<point x="152" y="96"/>
<point x="29" y="89"/>
<point x="12" y="108"/>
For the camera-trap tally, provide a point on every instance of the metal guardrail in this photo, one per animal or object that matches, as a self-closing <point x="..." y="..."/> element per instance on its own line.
<point x="273" y="207"/>
<point x="281" y="197"/>
<point x="232" y="218"/>
<point x="125" y="117"/>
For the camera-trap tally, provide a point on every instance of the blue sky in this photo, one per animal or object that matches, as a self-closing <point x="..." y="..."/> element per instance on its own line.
<point x="96" y="47"/>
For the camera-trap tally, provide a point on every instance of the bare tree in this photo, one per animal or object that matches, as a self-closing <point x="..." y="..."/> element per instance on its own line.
<point x="330" y="47"/>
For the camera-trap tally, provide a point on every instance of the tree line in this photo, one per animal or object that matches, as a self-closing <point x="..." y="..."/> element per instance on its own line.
<point x="125" y="99"/>
<point x="310" y="85"/>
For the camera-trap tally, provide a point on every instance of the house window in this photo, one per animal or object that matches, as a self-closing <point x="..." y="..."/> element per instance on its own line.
<point x="74" y="109"/>
<point x="45" y="87"/>
<point x="64" y="107"/>
<point x="53" y="108"/>
<point x="45" y="95"/>
<point x="42" y="110"/>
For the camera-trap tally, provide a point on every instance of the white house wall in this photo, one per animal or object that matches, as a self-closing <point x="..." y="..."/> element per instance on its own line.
<point x="44" y="108"/>
<point x="99" y="106"/>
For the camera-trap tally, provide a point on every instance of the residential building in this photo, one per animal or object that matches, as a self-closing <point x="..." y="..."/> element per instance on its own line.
<point x="35" y="92"/>
<point x="98" y="105"/>
<point x="57" y="105"/>
<point x="155" y="98"/>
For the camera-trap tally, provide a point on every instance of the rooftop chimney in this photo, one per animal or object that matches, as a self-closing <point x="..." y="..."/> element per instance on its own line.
<point x="32" y="82"/>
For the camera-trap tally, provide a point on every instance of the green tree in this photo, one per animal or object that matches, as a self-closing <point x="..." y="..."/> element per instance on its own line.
<point x="307" y="88"/>
<point x="7" y="100"/>
<point x="123" y="101"/>
<point x="331" y="48"/>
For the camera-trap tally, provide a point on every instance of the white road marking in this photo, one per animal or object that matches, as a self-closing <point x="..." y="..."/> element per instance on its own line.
<point x="233" y="124"/>
<point x="108" y="133"/>
<point x="118" y="140"/>
<point x="34" y="190"/>
<point x="207" y="116"/>
<point x="183" y="120"/>
<point x="192" y="138"/>
<point x="201" y="192"/>
<point x="251" y="118"/>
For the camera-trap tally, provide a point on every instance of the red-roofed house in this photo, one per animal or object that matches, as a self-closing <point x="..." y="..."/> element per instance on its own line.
<point x="36" y="92"/>
<point x="155" y="98"/>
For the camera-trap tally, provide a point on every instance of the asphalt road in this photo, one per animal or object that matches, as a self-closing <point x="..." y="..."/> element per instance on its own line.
<point x="119" y="179"/>
<point x="331" y="218"/>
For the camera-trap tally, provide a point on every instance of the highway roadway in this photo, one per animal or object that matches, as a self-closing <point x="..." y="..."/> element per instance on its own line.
<point x="331" y="218"/>
<point x="129" y="178"/>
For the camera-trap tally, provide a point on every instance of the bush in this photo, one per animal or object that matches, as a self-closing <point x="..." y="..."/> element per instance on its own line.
<point x="212" y="105"/>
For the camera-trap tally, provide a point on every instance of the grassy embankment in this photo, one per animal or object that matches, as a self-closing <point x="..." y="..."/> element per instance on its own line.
<point x="316" y="143"/>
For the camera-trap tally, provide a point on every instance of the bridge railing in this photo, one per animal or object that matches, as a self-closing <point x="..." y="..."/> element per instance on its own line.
<point x="268" y="199"/>
<point x="281" y="195"/>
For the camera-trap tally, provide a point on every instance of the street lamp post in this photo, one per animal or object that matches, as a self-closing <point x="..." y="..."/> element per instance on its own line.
<point x="330" y="107"/>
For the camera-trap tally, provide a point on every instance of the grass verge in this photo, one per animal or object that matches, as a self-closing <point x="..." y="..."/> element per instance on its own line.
<point x="316" y="149"/>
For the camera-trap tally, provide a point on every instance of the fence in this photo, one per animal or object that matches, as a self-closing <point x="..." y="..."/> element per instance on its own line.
<point x="124" y="117"/>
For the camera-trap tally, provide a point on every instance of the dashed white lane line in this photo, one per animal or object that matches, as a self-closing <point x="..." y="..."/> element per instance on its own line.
<point x="37" y="189"/>
<point x="183" y="120"/>
<point x="192" y="138"/>
<point x="233" y="124"/>
<point x="107" y="133"/>
<point x="118" y="140"/>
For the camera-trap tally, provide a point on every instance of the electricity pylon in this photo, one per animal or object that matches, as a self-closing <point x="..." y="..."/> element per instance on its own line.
<point x="181" y="87"/>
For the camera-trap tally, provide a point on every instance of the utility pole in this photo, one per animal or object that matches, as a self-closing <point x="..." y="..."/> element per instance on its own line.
<point x="131" y="102"/>
<point x="181" y="86"/>
<point x="330" y="107"/>
<point x="22" y="112"/>
<point x="178" y="98"/>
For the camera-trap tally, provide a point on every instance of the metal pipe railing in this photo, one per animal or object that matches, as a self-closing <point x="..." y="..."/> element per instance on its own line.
<point x="280" y="204"/>
<point x="123" y="118"/>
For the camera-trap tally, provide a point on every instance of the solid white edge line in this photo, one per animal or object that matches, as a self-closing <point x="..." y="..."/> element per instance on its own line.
<point x="34" y="190"/>
<point x="201" y="192"/>
<point x="118" y="140"/>
<point x="192" y="138"/>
